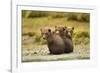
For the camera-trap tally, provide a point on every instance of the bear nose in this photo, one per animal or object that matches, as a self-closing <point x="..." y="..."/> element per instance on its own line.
<point x="69" y="33"/>
<point x="44" y="37"/>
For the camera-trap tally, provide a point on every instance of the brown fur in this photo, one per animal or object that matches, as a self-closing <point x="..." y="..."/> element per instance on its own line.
<point x="54" y="41"/>
<point x="66" y="35"/>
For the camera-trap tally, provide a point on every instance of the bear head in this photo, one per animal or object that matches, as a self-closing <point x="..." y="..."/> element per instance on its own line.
<point x="69" y="32"/>
<point x="45" y="32"/>
<point x="64" y="31"/>
<point x="60" y="30"/>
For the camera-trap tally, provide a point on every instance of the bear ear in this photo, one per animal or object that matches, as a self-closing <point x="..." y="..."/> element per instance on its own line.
<point x="64" y="28"/>
<point x="72" y="28"/>
<point x="49" y="30"/>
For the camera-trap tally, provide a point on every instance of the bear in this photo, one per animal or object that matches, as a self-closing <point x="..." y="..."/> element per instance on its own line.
<point x="66" y="35"/>
<point x="69" y="32"/>
<point x="65" y="31"/>
<point x="55" y="43"/>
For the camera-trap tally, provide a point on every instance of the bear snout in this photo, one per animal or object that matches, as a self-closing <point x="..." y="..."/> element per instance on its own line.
<point x="44" y="37"/>
<point x="69" y="34"/>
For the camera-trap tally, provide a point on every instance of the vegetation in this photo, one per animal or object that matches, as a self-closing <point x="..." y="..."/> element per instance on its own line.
<point x="33" y="21"/>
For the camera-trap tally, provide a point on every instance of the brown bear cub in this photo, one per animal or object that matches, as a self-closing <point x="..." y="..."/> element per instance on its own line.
<point x="66" y="35"/>
<point x="69" y="32"/>
<point x="55" y="43"/>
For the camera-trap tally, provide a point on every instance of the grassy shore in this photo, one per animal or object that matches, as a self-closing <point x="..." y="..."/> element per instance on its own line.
<point x="34" y="48"/>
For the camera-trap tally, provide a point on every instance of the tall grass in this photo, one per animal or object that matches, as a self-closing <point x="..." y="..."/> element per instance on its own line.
<point x="33" y="21"/>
